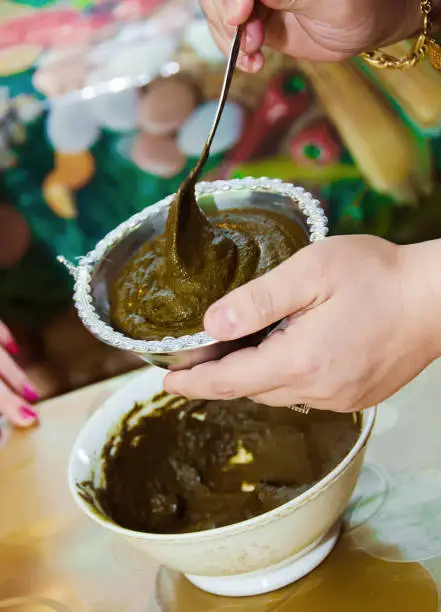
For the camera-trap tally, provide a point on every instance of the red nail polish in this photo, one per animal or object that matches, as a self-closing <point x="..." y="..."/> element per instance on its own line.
<point x="30" y="394"/>
<point x="28" y="414"/>
<point x="252" y="61"/>
<point x="12" y="347"/>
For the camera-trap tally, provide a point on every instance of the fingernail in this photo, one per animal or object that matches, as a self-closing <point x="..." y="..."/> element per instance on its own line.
<point x="248" y="63"/>
<point x="12" y="347"/>
<point x="28" y="414"/>
<point x="251" y="62"/>
<point x="222" y="319"/>
<point x="30" y="394"/>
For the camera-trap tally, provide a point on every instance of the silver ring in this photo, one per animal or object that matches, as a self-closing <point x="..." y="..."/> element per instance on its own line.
<point x="302" y="408"/>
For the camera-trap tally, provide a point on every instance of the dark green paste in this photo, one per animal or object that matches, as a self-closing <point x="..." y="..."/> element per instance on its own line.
<point x="167" y="286"/>
<point x="196" y="465"/>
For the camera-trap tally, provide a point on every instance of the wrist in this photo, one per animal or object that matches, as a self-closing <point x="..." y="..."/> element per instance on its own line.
<point x="421" y="285"/>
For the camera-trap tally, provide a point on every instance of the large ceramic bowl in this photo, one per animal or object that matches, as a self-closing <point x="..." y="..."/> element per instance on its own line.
<point x="248" y="558"/>
<point x="97" y="270"/>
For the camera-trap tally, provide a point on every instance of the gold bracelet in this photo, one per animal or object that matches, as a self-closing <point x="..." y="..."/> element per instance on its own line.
<point x="424" y="45"/>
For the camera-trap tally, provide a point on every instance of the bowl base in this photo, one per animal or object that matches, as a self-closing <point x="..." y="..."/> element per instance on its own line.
<point x="273" y="577"/>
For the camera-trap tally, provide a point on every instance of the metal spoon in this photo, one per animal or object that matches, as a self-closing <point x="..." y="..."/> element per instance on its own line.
<point x="188" y="186"/>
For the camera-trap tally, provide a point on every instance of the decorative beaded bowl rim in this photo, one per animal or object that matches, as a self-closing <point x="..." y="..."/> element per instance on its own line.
<point x="83" y="299"/>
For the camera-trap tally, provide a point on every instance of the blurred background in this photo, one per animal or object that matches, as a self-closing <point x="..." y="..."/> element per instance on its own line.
<point x="104" y="107"/>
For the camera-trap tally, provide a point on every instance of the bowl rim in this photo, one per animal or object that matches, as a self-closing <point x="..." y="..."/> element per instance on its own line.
<point x="309" y="206"/>
<point x="369" y="416"/>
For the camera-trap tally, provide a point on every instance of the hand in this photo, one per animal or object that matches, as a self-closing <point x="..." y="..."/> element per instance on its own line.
<point x="362" y="316"/>
<point x="311" y="29"/>
<point x="16" y="390"/>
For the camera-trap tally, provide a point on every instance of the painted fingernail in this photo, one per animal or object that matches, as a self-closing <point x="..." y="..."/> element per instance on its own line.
<point x="251" y="62"/>
<point x="27" y="413"/>
<point x="30" y="394"/>
<point x="12" y="347"/>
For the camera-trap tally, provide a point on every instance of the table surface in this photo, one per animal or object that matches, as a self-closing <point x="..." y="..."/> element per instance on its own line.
<point x="53" y="558"/>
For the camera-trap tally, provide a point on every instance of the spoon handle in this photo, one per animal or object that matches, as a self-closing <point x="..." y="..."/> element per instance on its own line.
<point x="229" y="72"/>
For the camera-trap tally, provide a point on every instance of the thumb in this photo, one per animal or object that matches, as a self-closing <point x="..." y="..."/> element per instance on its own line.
<point x="238" y="11"/>
<point x="283" y="291"/>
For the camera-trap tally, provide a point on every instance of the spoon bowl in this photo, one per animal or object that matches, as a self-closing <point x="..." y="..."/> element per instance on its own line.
<point x="96" y="271"/>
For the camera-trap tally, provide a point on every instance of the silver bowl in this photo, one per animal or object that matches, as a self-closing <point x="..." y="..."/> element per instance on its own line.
<point x="97" y="270"/>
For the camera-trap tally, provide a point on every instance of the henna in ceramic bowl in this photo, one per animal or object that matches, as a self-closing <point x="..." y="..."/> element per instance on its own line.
<point x="248" y="529"/>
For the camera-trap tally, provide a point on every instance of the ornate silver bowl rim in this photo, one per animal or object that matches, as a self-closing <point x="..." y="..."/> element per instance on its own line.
<point x="83" y="299"/>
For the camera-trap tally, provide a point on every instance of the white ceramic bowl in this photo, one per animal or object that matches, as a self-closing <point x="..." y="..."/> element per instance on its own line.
<point x="248" y="558"/>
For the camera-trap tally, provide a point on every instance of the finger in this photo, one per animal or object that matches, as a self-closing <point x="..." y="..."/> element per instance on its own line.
<point x="254" y="36"/>
<point x="285" y="397"/>
<point x="238" y="12"/>
<point x="285" y="290"/>
<point x="247" y="63"/>
<point x="284" y="33"/>
<point x="251" y="63"/>
<point x="12" y="374"/>
<point x="7" y="340"/>
<point x="15" y="409"/>
<point x="247" y="372"/>
<point x="250" y="58"/>
<point x="288" y="397"/>
<point x="222" y="36"/>
<point x="281" y="397"/>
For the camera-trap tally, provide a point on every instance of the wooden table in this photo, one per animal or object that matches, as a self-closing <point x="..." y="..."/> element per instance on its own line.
<point x="53" y="558"/>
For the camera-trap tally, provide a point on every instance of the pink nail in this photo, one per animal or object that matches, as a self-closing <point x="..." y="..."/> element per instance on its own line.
<point x="251" y="60"/>
<point x="28" y="414"/>
<point x="30" y="394"/>
<point x="12" y="347"/>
